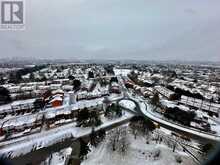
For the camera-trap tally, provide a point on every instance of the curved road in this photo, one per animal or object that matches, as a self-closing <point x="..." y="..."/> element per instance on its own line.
<point x="194" y="133"/>
<point x="144" y="111"/>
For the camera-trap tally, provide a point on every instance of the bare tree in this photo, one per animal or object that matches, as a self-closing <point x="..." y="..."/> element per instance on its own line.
<point x="118" y="140"/>
<point x="178" y="159"/>
<point x="113" y="139"/>
<point x="123" y="145"/>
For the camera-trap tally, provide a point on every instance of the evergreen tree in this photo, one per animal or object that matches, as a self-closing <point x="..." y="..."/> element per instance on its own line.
<point x="94" y="119"/>
<point x="2" y="81"/>
<point x="90" y="74"/>
<point x="32" y="77"/>
<point x="107" y="111"/>
<point x="84" y="149"/>
<point x="118" y="111"/>
<point x="114" y="79"/>
<point x="39" y="104"/>
<point x="71" y="77"/>
<point x="4" y="95"/>
<point x="206" y="148"/>
<point x="47" y="94"/>
<point x="175" y="96"/>
<point x="113" y="111"/>
<point x="83" y="116"/>
<point x="155" y="100"/>
<point x="76" y="84"/>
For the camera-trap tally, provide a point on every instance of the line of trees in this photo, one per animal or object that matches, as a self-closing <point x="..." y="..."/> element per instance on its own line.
<point x="181" y="116"/>
<point x="141" y="126"/>
<point x="118" y="140"/>
<point x="187" y="93"/>
<point x="113" y="110"/>
<point x="109" y="69"/>
<point x="88" y="118"/>
<point x="16" y="77"/>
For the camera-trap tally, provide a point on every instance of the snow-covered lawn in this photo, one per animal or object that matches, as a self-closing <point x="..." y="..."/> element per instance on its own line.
<point x="127" y="104"/>
<point x="138" y="153"/>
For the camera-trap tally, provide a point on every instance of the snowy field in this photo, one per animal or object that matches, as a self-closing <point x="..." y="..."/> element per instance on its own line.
<point x="127" y="104"/>
<point x="138" y="153"/>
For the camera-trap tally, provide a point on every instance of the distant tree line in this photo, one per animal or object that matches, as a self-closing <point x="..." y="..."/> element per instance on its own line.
<point x="181" y="116"/>
<point x="109" y="69"/>
<point x="16" y="77"/>
<point x="187" y="93"/>
<point x="134" y="77"/>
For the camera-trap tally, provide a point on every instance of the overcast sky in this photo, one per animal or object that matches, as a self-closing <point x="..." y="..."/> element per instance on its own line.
<point x="117" y="29"/>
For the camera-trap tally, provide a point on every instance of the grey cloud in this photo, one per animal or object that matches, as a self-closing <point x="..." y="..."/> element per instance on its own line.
<point x="125" y="29"/>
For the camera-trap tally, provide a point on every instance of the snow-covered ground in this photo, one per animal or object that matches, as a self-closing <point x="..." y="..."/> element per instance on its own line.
<point x="138" y="153"/>
<point x="40" y="140"/>
<point x="127" y="104"/>
<point x="58" y="158"/>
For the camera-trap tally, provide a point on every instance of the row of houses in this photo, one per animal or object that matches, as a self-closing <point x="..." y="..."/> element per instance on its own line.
<point x="57" y="84"/>
<point x="210" y="108"/>
<point x="84" y="95"/>
<point x="51" y="117"/>
<point x="164" y="91"/>
<point x="17" y="107"/>
<point x="52" y="99"/>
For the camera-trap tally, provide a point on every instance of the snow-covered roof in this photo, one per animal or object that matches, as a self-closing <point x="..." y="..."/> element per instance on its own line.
<point x="58" y="91"/>
<point x="114" y="84"/>
<point x="57" y="98"/>
<point x="22" y="102"/>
